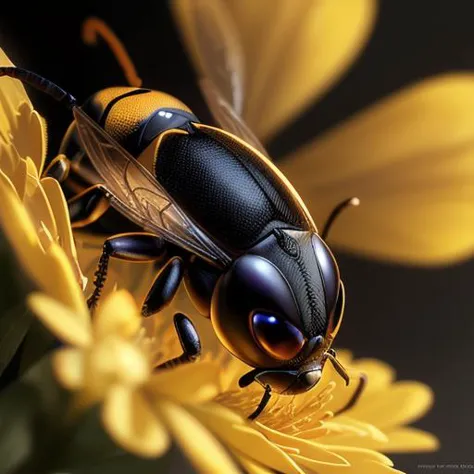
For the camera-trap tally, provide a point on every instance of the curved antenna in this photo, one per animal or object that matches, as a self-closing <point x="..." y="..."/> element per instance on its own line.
<point x="40" y="83"/>
<point x="94" y="27"/>
<point x="353" y="201"/>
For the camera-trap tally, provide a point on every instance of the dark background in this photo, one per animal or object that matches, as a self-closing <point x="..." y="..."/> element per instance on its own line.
<point x="420" y="321"/>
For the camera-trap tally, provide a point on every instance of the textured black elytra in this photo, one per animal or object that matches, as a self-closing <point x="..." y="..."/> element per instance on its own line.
<point x="223" y="190"/>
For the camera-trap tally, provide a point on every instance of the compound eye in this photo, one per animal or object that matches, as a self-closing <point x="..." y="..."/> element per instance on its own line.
<point x="276" y="336"/>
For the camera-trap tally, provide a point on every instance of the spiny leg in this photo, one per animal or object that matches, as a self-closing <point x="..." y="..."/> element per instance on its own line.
<point x="88" y="206"/>
<point x="164" y="287"/>
<point x="189" y="340"/>
<point x="133" y="247"/>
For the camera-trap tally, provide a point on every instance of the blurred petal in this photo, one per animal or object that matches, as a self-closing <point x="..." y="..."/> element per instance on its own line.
<point x="59" y="319"/>
<point x="404" y="403"/>
<point x="203" y="449"/>
<point x="295" y="51"/>
<point x="191" y="382"/>
<point x="410" y="159"/>
<point x="409" y="440"/>
<point x="118" y="315"/>
<point x="132" y="423"/>
<point x="54" y="266"/>
<point x="69" y="365"/>
<point x="252" y="467"/>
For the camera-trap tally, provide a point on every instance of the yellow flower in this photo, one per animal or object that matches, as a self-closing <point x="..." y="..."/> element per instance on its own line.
<point x="33" y="214"/>
<point x="408" y="158"/>
<point x="306" y="433"/>
<point x="109" y="363"/>
<point x="199" y="406"/>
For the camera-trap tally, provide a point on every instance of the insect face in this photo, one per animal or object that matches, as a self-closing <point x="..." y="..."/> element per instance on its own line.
<point x="279" y="307"/>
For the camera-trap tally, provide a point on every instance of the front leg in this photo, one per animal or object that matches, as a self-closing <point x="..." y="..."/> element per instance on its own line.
<point x="132" y="247"/>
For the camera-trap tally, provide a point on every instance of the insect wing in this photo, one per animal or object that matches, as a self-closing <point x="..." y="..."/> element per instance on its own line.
<point x="212" y="36"/>
<point x="209" y="28"/>
<point x="226" y="116"/>
<point x="139" y="196"/>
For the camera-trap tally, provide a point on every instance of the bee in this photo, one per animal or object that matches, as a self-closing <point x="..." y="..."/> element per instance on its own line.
<point x="231" y="225"/>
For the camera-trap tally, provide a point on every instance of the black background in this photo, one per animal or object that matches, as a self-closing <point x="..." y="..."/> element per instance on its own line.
<point x="420" y="321"/>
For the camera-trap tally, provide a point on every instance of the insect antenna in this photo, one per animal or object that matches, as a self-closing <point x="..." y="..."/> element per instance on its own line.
<point x="40" y="83"/>
<point x="353" y="201"/>
<point x="94" y="27"/>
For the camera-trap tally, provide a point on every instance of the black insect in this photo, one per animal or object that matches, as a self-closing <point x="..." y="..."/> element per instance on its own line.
<point x="228" y="221"/>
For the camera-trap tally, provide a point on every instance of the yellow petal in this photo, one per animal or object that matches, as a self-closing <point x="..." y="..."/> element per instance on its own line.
<point x="115" y="360"/>
<point x="12" y="92"/>
<point x="60" y="320"/>
<point x="16" y="172"/>
<point x="345" y="430"/>
<point x="404" y="403"/>
<point x="132" y="423"/>
<point x="252" y="467"/>
<point x="379" y="374"/>
<point x="205" y="452"/>
<point x="296" y="52"/>
<point x="356" y="458"/>
<point x="118" y="315"/>
<point x="303" y="447"/>
<point x="192" y="382"/>
<point x="29" y="137"/>
<point x="68" y="364"/>
<point x="243" y="438"/>
<point x="407" y="440"/>
<point x="60" y="211"/>
<point x="46" y="268"/>
<point x="410" y="159"/>
<point x="39" y="209"/>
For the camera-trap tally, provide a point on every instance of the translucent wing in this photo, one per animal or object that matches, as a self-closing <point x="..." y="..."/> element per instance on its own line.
<point x="227" y="117"/>
<point x="139" y="196"/>
<point x="293" y="51"/>
<point x="209" y="31"/>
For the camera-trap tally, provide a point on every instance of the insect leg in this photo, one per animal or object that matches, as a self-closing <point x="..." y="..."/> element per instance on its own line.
<point x="263" y="403"/>
<point x="189" y="340"/>
<point x="87" y="206"/>
<point x="164" y="287"/>
<point x="133" y="247"/>
<point x="58" y="168"/>
<point x="355" y="397"/>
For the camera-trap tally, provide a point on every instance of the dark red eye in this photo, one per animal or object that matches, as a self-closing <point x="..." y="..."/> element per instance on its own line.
<point x="276" y="336"/>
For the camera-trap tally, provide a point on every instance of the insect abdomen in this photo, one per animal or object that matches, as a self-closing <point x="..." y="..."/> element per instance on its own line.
<point x="223" y="190"/>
